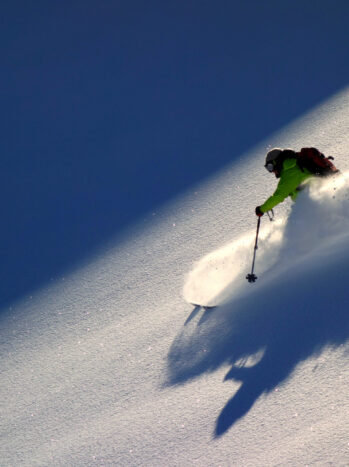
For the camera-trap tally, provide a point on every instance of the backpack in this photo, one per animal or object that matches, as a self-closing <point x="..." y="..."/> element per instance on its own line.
<point x="313" y="160"/>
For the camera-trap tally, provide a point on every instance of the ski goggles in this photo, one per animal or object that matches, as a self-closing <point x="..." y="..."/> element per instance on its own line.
<point x="270" y="167"/>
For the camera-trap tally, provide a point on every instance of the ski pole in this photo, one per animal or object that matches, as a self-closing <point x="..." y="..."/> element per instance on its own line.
<point x="271" y="215"/>
<point x="252" y="277"/>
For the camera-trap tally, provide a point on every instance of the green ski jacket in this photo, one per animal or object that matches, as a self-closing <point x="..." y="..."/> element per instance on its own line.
<point x="291" y="177"/>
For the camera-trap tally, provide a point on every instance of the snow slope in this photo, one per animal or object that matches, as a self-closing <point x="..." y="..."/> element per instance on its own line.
<point x="111" y="365"/>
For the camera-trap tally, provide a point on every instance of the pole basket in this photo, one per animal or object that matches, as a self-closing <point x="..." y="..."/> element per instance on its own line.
<point x="251" y="277"/>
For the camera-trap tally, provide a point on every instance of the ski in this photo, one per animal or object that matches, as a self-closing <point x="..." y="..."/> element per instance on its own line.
<point x="205" y="307"/>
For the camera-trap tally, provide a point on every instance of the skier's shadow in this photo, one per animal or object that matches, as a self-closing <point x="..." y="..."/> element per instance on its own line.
<point x="287" y="322"/>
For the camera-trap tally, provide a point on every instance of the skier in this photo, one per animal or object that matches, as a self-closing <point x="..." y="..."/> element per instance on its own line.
<point x="294" y="170"/>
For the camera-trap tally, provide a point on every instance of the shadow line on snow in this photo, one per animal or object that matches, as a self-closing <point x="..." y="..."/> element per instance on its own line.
<point x="287" y="318"/>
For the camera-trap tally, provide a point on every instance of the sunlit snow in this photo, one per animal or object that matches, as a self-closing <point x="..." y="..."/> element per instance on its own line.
<point x="111" y="365"/>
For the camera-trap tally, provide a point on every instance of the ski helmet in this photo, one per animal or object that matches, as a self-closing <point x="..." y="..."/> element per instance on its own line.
<point x="270" y="160"/>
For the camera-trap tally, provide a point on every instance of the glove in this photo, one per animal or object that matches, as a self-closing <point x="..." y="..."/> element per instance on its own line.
<point x="259" y="213"/>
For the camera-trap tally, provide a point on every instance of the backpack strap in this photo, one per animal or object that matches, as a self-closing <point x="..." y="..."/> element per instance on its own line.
<point x="285" y="154"/>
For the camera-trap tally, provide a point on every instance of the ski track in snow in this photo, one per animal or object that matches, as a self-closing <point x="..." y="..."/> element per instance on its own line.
<point x="104" y="368"/>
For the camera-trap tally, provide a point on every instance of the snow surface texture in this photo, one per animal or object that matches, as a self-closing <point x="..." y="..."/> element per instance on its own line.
<point x="112" y="366"/>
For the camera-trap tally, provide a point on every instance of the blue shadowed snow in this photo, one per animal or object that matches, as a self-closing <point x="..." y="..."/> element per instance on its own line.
<point x="111" y="108"/>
